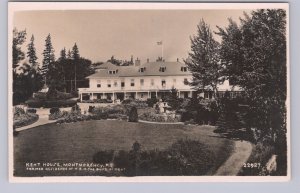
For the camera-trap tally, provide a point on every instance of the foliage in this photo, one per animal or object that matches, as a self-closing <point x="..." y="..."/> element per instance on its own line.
<point x="114" y="61"/>
<point x="103" y="157"/>
<point x="19" y="38"/>
<point x="201" y="111"/>
<point x="151" y="102"/>
<point x="129" y="103"/>
<point x="37" y="103"/>
<point x="18" y="111"/>
<point x="204" y="60"/>
<point x="173" y="99"/>
<point x="154" y="117"/>
<point x="54" y="110"/>
<point x="49" y="56"/>
<point x="133" y="115"/>
<point x="254" y="54"/>
<point x="184" y="157"/>
<point x="25" y="83"/>
<point x="24" y="119"/>
<point x="31" y="110"/>
<point x="31" y="54"/>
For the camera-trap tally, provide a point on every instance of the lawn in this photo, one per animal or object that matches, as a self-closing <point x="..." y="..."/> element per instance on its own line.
<point x="78" y="142"/>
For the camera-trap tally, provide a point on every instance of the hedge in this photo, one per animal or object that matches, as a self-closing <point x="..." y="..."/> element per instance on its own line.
<point x="35" y="103"/>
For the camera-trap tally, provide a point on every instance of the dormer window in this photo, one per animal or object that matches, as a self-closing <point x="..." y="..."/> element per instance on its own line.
<point x="142" y="69"/>
<point x="112" y="71"/>
<point x="183" y="69"/>
<point x="162" y="69"/>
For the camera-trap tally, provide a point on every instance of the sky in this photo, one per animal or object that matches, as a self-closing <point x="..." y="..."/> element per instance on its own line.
<point x="99" y="34"/>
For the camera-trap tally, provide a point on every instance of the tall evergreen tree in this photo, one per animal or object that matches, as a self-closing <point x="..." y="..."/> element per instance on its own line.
<point x="63" y="54"/>
<point x="19" y="38"/>
<point x="203" y="60"/>
<point x="31" y="54"/>
<point x="49" y="57"/>
<point x="75" y="57"/>
<point x="69" y="55"/>
<point x="75" y="52"/>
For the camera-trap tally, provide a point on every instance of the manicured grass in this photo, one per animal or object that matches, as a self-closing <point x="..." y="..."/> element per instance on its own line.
<point x="78" y="142"/>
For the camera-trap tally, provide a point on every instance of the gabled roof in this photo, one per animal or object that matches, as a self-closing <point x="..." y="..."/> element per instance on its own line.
<point x="150" y="69"/>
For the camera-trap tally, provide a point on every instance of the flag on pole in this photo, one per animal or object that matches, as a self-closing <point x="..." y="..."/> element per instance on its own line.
<point x="159" y="43"/>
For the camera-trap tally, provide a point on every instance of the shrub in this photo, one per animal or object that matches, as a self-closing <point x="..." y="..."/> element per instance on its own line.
<point x="36" y="103"/>
<point x="133" y="115"/>
<point x="18" y="111"/>
<point x="150" y="116"/>
<point x="24" y="119"/>
<point x="103" y="157"/>
<point x="261" y="154"/>
<point x="91" y="109"/>
<point x="54" y="110"/>
<point x="31" y="110"/>
<point x="184" y="157"/>
<point x="40" y="95"/>
<point x="151" y="102"/>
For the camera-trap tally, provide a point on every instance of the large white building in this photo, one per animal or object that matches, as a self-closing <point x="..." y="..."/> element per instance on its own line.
<point x="141" y="81"/>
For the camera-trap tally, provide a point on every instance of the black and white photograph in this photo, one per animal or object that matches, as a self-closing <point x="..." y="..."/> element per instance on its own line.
<point x="148" y="92"/>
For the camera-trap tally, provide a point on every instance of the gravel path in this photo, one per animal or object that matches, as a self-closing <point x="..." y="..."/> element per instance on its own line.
<point x="235" y="162"/>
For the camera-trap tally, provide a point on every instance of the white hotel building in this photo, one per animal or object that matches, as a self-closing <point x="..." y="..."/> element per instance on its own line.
<point x="141" y="81"/>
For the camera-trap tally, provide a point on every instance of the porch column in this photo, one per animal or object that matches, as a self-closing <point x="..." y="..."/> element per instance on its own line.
<point x="178" y="94"/>
<point x="191" y="93"/>
<point x="113" y="97"/>
<point x="92" y="96"/>
<point x="156" y="94"/>
<point x="149" y="95"/>
<point x="81" y="97"/>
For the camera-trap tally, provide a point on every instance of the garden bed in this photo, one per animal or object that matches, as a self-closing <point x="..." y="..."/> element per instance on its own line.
<point x="155" y="117"/>
<point x="25" y="119"/>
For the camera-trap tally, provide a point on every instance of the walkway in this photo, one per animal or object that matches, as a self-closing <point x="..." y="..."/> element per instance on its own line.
<point x="43" y="119"/>
<point x="235" y="162"/>
<point x="162" y="123"/>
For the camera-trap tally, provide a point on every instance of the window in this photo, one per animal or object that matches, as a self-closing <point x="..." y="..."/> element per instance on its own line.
<point x="132" y="82"/>
<point x="108" y="84"/>
<point x="162" y="69"/>
<point x="163" y="83"/>
<point x="115" y="83"/>
<point x="152" y="82"/>
<point x="98" y="85"/>
<point x="122" y="84"/>
<point x="142" y="82"/>
<point x="183" y="69"/>
<point x="142" y="69"/>
<point x="112" y="72"/>
<point x="185" y="81"/>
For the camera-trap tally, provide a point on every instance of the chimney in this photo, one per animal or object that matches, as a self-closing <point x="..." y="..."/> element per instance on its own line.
<point x="137" y="62"/>
<point x="147" y="60"/>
